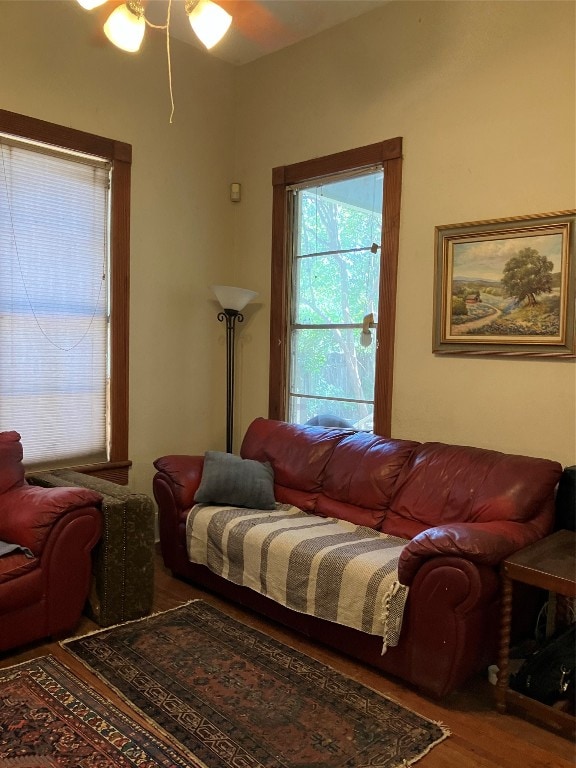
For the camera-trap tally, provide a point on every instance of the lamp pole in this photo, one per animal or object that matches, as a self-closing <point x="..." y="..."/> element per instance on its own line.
<point x="232" y="300"/>
<point x="230" y="317"/>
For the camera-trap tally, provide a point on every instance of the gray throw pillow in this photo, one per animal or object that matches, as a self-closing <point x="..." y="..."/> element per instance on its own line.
<point x="232" y="481"/>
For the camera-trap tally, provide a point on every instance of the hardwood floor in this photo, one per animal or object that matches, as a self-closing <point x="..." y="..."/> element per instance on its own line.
<point x="480" y="736"/>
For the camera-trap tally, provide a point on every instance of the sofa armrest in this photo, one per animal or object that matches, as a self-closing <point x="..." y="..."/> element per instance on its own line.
<point x="175" y="485"/>
<point x="184" y="474"/>
<point x="28" y="513"/>
<point x="451" y="622"/>
<point x="482" y="543"/>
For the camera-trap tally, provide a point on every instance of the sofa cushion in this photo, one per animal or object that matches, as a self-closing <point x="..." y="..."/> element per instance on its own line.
<point x="298" y="455"/>
<point x="360" y="478"/>
<point x="444" y="484"/>
<point x="11" y="467"/>
<point x="231" y="480"/>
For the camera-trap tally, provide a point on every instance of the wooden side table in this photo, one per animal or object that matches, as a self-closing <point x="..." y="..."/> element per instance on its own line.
<point x="549" y="564"/>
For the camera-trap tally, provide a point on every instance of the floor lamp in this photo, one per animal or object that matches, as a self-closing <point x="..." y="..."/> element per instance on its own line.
<point x="232" y="300"/>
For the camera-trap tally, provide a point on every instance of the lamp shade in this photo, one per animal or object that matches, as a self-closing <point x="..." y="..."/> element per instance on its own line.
<point x="209" y="22"/>
<point x="125" y="29"/>
<point x="233" y="298"/>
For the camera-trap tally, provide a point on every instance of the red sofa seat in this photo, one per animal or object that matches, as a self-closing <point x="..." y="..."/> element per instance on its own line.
<point x="462" y="509"/>
<point x="42" y="589"/>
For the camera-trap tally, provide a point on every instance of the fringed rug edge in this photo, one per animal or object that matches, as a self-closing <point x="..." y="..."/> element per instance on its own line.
<point x="446" y="732"/>
<point x="159" y="732"/>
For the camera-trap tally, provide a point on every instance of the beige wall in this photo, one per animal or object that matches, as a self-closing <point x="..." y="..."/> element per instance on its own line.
<point x="54" y="67"/>
<point x="483" y="94"/>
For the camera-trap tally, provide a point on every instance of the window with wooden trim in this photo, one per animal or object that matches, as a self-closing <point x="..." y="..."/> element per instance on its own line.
<point x="64" y="270"/>
<point x="334" y="267"/>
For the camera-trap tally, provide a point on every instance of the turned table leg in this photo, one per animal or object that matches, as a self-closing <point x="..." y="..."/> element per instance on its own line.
<point x="503" y="658"/>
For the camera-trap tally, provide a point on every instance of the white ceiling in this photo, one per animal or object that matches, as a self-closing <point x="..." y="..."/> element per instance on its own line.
<point x="260" y="27"/>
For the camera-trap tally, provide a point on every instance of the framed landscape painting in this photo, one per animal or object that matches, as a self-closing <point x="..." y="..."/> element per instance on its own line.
<point x="506" y="287"/>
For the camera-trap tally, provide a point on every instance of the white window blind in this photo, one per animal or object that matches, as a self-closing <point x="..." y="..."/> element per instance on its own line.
<point x="54" y="302"/>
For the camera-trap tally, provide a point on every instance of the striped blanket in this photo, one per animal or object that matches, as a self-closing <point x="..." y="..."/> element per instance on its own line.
<point x="321" y="566"/>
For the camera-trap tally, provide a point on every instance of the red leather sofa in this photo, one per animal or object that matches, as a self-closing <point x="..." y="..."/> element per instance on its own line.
<point x="461" y="509"/>
<point x="43" y="585"/>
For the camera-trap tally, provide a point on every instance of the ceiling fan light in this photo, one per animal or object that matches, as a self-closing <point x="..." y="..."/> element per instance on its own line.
<point x="209" y="21"/>
<point x="125" y="27"/>
<point x="90" y="4"/>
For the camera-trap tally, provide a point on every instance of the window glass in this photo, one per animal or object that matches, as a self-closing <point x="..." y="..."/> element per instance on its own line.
<point x="328" y="362"/>
<point x="336" y="274"/>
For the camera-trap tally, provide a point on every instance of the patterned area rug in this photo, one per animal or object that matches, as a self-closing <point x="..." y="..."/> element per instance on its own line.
<point x="50" y="719"/>
<point x="237" y="698"/>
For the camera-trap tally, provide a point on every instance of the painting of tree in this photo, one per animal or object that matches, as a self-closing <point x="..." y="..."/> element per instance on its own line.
<point x="507" y="282"/>
<point x="526" y="275"/>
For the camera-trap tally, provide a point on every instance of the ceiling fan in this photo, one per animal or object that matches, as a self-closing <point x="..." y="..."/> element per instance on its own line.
<point x="126" y="24"/>
<point x="260" y="26"/>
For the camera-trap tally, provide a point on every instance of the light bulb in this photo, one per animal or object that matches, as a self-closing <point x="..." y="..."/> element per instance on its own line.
<point x="209" y="22"/>
<point x="89" y="4"/>
<point x="125" y="28"/>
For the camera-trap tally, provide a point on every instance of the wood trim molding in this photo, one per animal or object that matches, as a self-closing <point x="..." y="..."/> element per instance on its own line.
<point x="120" y="311"/>
<point x="113" y="472"/>
<point x="385" y="332"/>
<point x="361" y="157"/>
<point x="279" y="293"/>
<point x="63" y="136"/>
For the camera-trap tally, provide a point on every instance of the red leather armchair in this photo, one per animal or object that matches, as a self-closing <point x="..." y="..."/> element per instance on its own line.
<point x="44" y="584"/>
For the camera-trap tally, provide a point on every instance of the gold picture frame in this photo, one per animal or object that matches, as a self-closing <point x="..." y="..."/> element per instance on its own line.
<point x="506" y="287"/>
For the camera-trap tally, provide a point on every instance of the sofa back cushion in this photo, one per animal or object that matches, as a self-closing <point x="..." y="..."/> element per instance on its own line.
<point x="449" y="483"/>
<point x="360" y="478"/>
<point x="11" y="467"/>
<point x="298" y="455"/>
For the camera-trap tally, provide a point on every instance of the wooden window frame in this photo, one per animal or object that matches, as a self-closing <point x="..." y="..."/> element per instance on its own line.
<point x="120" y="155"/>
<point x="388" y="154"/>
